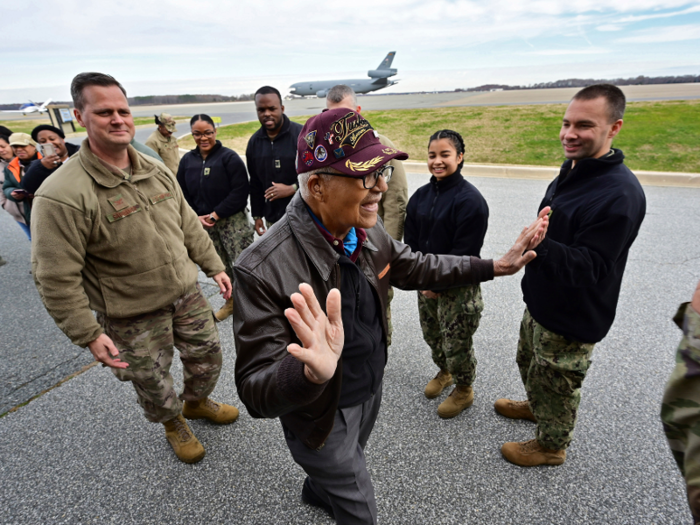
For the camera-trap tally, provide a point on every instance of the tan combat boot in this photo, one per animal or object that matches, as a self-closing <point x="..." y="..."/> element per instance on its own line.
<point x="514" y="409"/>
<point x="440" y="382"/>
<point x="461" y="397"/>
<point x="531" y="453"/>
<point x="226" y="310"/>
<point x="207" y="409"/>
<point x="186" y="446"/>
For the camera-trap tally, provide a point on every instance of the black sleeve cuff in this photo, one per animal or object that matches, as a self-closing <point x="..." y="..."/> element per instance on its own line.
<point x="293" y="383"/>
<point x="482" y="269"/>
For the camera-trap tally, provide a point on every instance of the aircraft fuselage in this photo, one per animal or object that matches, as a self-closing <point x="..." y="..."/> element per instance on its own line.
<point x="359" y="85"/>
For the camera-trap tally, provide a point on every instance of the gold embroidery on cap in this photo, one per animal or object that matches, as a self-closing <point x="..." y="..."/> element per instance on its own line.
<point x="367" y="165"/>
<point x="389" y="151"/>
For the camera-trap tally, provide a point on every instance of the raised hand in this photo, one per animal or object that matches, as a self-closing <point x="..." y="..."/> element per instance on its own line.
<point x="539" y="236"/>
<point x="521" y="253"/>
<point x="321" y="336"/>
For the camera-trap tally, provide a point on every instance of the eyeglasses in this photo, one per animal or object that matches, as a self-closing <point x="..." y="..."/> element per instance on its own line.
<point x="369" y="180"/>
<point x="198" y="135"/>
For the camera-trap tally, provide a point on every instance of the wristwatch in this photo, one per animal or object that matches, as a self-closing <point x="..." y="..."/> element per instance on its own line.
<point x="212" y="218"/>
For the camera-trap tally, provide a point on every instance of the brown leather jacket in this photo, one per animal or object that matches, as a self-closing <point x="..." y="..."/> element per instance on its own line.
<point x="271" y="382"/>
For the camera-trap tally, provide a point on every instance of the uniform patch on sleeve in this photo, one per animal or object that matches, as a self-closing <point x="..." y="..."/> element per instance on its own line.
<point x="384" y="271"/>
<point x="124" y="213"/>
<point x="118" y="202"/>
<point x="161" y="197"/>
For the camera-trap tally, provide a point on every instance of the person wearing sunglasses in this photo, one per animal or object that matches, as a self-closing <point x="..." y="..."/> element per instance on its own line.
<point x="214" y="181"/>
<point x="310" y="307"/>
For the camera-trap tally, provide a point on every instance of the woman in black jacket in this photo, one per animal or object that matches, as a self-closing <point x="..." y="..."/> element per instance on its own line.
<point x="449" y="216"/>
<point x="49" y="138"/>
<point x="214" y="181"/>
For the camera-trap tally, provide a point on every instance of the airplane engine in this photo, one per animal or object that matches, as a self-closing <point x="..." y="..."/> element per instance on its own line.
<point x="381" y="73"/>
<point x="322" y="93"/>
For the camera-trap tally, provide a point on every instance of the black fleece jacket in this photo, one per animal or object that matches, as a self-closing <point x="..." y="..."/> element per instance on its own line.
<point x="573" y="285"/>
<point x="219" y="183"/>
<point x="447" y="216"/>
<point x="272" y="161"/>
<point x="37" y="173"/>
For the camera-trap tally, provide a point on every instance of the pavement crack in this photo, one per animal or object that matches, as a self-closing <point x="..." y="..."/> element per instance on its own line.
<point x="44" y="374"/>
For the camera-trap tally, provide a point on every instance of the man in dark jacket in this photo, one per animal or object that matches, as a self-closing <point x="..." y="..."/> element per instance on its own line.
<point x="320" y="371"/>
<point x="270" y="156"/>
<point x="571" y="290"/>
<point x="48" y="137"/>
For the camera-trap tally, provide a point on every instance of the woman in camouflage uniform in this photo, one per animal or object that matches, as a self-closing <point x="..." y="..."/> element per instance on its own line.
<point x="449" y="216"/>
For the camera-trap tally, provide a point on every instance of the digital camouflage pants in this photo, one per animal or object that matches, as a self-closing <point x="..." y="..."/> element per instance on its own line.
<point x="231" y="236"/>
<point x="146" y="343"/>
<point x="680" y="409"/>
<point x="449" y="323"/>
<point x="552" y="369"/>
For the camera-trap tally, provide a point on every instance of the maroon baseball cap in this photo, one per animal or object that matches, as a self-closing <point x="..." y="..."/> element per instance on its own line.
<point x="342" y="139"/>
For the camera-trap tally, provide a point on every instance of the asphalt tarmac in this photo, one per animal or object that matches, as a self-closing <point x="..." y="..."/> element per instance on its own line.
<point x="236" y="112"/>
<point x="83" y="453"/>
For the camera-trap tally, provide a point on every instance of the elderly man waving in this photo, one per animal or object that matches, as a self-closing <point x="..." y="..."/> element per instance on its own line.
<point x="319" y="369"/>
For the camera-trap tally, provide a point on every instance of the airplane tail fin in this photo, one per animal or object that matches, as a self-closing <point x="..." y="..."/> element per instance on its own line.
<point x="386" y="63"/>
<point x="48" y="101"/>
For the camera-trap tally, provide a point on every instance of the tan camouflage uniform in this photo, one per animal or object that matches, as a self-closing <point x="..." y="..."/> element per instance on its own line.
<point x="552" y="369"/>
<point x="448" y="324"/>
<point x="146" y="343"/>
<point x="392" y="210"/>
<point x="680" y="409"/>
<point x="231" y="236"/>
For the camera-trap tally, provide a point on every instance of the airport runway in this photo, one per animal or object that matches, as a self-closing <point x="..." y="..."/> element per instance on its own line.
<point x="235" y="112"/>
<point x="83" y="452"/>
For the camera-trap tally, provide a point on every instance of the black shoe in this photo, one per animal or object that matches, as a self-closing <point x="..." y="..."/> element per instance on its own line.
<point x="309" y="497"/>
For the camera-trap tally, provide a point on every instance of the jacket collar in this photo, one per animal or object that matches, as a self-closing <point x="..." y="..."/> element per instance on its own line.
<point x="590" y="167"/>
<point x="285" y="128"/>
<point x="304" y="229"/>
<point x="316" y="247"/>
<point x="447" y="183"/>
<point x="110" y="176"/>
<point x="213" y="151"/>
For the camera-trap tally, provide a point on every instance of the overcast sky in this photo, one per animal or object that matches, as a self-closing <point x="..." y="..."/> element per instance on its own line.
<point x="231" y="47"/>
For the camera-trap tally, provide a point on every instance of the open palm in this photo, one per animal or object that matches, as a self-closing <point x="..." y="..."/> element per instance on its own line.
<point x="321" y="335"/>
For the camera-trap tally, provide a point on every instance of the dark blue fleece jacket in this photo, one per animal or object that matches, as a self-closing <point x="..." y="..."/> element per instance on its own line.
<point x="218" y="183"/>
<point x="573" y="285"/>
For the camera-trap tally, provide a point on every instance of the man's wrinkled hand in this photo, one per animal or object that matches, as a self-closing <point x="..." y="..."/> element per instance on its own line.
<point x="260" y="227"/>
<point x="321" y="336"/>
<point x="105" y="352"/>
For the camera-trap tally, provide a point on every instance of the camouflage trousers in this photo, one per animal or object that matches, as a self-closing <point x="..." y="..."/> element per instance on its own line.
<point x="680" y="409"/>
<point x="390" y="327"/>
<point x="231" y="236"/>
<point x="448" y="324"/>
<point x="552" y="369"/>
<point x="146" y="343"/>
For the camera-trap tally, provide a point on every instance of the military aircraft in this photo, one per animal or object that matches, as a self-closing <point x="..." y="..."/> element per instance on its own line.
<point x="379" y="79"/>
<point x="30" y="108"/>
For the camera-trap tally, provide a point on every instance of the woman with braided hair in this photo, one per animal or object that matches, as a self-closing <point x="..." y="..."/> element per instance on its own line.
<point x="449" y="216"/>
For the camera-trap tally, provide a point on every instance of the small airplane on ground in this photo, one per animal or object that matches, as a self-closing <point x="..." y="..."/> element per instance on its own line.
<point x="379" y="79"/>
<point x="30" y="108"/>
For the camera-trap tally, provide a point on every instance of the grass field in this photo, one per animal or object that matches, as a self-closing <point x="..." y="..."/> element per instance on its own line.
<point x="657" y="136"/>
<point x="26" y="126"/>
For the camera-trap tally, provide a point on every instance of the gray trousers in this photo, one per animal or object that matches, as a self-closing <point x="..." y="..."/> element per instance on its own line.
<point x="338" y="472"/>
